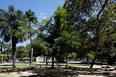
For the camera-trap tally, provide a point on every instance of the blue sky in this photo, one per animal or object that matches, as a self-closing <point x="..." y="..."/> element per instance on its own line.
<point x="42" y="8"/>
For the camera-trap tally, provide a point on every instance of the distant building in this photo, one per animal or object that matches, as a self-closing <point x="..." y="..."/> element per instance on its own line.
<point x="42" y="59"/>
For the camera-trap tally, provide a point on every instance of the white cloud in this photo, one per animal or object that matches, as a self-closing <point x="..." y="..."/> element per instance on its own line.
<point x="42" y="15"/>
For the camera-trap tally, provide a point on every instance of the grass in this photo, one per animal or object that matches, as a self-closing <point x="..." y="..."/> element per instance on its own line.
<point x="17" y="75"/>
<point x="22" y="65"/>
<point x="17" y="65"/>
<point x="8" y="76"/>
<point x="75" y="65"/>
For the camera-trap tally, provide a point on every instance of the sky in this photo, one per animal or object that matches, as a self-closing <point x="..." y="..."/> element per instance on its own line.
<point x="42" y="8"/>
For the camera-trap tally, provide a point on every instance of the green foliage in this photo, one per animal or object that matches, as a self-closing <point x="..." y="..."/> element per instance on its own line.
<point x="40" y="47"/>
<point x="5" y="55"/>
<point x="60" y="19"/>
<point x="91" y="54"/>
<point x="110" y="52"/>
<point x="10" y="21"/>
<point x="68" y="42"/>
<point x="22" y="52"/>
<point x="72" y="55"/>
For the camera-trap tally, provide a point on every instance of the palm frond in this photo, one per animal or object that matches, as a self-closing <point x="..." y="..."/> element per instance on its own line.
<point x="11" y="9"/>
<point x="19" y="14"/>
<point x="3" y="32"/>
<point x="7" y="38"/>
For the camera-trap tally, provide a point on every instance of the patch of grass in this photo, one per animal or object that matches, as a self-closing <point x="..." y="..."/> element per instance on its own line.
<point x="17" y="65"/>
<point x="8" y="76"/>
<point x="75" y="65"/>
<point x="23" y="65"/>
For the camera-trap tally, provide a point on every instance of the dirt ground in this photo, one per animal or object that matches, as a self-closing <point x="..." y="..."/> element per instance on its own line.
<point x="30" y="74"/>
<point x="62" y="72"/>
<point x="48" y="72"/>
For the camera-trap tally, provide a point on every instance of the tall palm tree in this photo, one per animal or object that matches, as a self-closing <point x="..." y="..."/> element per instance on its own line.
<point x="31" y="19"/>
<point x="9" y="24"/>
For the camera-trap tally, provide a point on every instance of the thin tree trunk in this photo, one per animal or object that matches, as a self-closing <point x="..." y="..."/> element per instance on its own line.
<point x="96" y="47"/>
<point x="1" y="56"/>
<point x="58" y="68"/>
<point x="31" y="54"/>
<point x="97" y="33"/>
<point x="52" y="62"/>
<point x="14" y="50"/>
<point x="31" y="51"/>
<point x="46" y="62"/>
<point x="8" y="57"/>
<point x="66" y="60"/>
<point x="88" y="61"/>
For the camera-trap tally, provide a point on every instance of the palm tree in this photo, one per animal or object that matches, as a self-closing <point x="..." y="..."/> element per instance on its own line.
<point x="31" y="19"/>
<point x="9" y="24"/>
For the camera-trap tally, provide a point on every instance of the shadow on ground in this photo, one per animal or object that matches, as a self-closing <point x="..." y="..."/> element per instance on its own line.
<point x="48" y="72"/>
<point x="53" y="73"/>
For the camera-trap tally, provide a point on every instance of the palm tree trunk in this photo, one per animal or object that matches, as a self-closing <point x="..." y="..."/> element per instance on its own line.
<point x="31" y="51"/>
<point x="1" y="56"/>
<point x="31" y="54"/>
<point x="14" y="50"/>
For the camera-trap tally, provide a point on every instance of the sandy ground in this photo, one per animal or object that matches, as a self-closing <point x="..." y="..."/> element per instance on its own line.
<point x="39" y="71"/>
<point x="27" y="74"/>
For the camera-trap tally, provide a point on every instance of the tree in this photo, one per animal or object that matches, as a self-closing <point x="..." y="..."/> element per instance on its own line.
<point x="22" y="52"/>
<point x="41" y="48"/>
<point x="66" y="44"/>
<point x="31" y="19"/>
<point x="9" y="23"/>
<point x="60" y="38"/>
<point x="80" y="12"/>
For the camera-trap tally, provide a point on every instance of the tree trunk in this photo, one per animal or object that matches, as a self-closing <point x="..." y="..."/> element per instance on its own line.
<point x="46" y="61"/>
<point x="97" y="33"/>
<point x="96" y="47"/>
<point x="2" y="55"/>
<point x="8" y="57"/>
<point x="52" y="62"/>
<point x="31" y="54"/>
<point x="66" y="60"/>
<point x="88" y="61"/>
<point x="31" y="51"/>
<point x="58" y="68"/>
<point x="14" y="50"/>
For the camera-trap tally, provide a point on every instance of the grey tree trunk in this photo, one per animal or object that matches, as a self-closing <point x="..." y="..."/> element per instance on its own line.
<point x="31" y="51"/>
<point x="31" y="56"/>
<point x="14" y="50"/>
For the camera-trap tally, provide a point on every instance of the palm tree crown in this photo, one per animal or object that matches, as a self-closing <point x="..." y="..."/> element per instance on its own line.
<point x="9" y="22"/>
